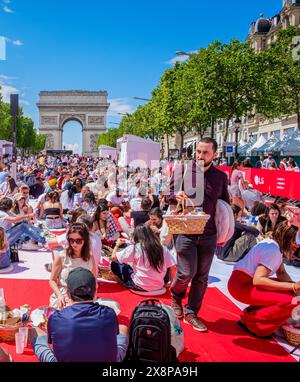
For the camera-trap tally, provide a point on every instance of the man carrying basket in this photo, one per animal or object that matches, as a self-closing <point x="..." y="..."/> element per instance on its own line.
<point x="195" y="252"/>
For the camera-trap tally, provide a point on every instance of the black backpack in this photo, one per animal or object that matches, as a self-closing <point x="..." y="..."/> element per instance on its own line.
<point x="150" y="334"/>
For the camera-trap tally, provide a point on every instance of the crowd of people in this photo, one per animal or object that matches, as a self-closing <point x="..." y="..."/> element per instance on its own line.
<point x="113" y="218"/>
<point x="269" y="163"/>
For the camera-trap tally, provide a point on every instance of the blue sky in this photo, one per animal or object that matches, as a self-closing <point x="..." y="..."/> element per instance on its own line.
<point x="122" y="47"/>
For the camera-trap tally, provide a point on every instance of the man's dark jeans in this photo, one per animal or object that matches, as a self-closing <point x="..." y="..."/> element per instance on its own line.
<point x="194" y="257"/>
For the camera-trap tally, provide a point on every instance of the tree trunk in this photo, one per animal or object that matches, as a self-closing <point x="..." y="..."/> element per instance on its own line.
<point x="225" y="136"/>
<point x="213" y="128"/>
<point x="298" y="120"/>
<point x="181" y="144"/>
<point x="168" y="147"/>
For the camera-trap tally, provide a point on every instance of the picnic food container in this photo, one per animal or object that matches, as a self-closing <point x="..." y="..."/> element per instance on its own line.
<point x="186" y="223"/>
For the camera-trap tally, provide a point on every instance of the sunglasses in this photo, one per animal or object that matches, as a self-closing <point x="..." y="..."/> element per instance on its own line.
<point x="77" y="241"/>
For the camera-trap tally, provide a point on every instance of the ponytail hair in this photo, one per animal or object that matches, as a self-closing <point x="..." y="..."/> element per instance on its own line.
<point x="151" y="246"/>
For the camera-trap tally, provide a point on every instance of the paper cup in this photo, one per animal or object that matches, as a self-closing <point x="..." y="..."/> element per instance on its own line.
<point x="19" y="337"/>
<point x="24" y="331"/>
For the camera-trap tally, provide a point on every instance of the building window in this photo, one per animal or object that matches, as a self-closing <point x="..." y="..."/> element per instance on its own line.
<point x="265" y="135"/>
<point x="289" y="132"/>
<point x="276" y="134"/>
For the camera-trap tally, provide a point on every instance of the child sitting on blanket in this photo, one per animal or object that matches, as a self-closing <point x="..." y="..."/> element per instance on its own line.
<point x="4" y="250"/>
<point x="148" y="259"/>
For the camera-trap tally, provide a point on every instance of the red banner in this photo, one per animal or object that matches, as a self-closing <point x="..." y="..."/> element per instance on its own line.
<point x="274" y="182"/>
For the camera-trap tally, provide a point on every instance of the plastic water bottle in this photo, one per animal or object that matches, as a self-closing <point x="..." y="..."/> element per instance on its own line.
<point x="2" y="301"/>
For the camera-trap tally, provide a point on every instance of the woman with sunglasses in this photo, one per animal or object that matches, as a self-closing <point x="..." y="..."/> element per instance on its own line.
<point x="77" y="254"/>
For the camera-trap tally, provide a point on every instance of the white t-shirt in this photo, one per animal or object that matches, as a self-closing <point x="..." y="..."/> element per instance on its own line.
<point x="135" y="204"/>
<point x="66" y="202"/>
<point x="144" y="276"/>
<point x="266" y="253"/>
<point x="96" y="247"/>
<point x="114" y="199"/>
<point x="250" y="197"/>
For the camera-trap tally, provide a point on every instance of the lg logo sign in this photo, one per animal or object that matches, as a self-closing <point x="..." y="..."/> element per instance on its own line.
<point x="258" y="180"/>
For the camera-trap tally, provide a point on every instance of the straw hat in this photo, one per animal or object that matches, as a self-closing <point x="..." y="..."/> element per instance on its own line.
<point x="18" y="196"/>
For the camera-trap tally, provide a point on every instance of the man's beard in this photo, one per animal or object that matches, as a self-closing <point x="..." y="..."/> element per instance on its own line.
<point x="206" y="164"/>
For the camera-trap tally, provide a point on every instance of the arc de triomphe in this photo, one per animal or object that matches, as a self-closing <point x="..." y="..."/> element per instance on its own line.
<point x="56" y="108"/>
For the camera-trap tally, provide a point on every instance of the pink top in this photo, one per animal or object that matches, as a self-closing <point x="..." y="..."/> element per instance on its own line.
<point x="235" y="177"/>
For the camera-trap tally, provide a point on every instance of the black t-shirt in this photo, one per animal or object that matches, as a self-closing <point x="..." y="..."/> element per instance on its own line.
<point x="267" y="224"/>
<point x="140" y="217"/>
<point x="155" y="202"/>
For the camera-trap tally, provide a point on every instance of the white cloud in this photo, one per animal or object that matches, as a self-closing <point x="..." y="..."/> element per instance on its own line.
<point x="3" y="77"/>
<point x="119" y="105"/>
<point x="6" y="90"/>
<point x="18" y="42"/>
<point x="24" y="102"/>
<point x="7" y="10"/>
<point x="15" y="42"/>
<point x="177" y="59"/>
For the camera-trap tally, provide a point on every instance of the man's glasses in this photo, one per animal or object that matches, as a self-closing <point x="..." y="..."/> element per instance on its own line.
<point x="77" y="241"/>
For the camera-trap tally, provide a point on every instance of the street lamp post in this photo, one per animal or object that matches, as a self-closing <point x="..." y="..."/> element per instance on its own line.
<point x="237" y="125"/>
<point x="143" y="99"/>
<point x="192" y="54"/>
<point x="14" y="110"/>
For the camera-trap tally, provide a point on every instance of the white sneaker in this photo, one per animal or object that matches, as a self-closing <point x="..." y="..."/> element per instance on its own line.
<point x="226" y="262"/>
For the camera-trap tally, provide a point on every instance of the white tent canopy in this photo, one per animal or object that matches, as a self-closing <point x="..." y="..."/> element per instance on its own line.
<point x="243" y="149"/>
<point x="257" y="145"/>
<point x="242" y="143"/>
<point x="272" y="144"/>
<point x="108" y="151"/>
<point x="138" y="152"/>
<point x="291" y="146"/>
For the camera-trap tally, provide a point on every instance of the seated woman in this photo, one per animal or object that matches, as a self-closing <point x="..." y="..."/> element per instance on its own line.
<point x="267" y="223"/>
<point x="271" y="300"/>
<point x="105" y="225"/>
<point x="243" y="239"/>
<point x="11" y="187"/>
<point x="19" y="206"/>
<point x="17" y="226"/>
<point x="148" y="258"/>
<point x="52" y="211"/>
<point x="155" y="221"/>
<point x="78" y="254"/>
<point x="89" y="203"/>
<point x="237" y="182"/>
<point x="4" y="250"/>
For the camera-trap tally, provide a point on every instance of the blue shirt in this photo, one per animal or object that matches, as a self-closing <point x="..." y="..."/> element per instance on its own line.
<point x="5" y="259"/>
<point x="84" y="332"/>
<point x="3" y="176"/>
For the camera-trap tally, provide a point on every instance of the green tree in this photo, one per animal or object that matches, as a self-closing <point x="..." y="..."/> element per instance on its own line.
<point x="280" y="78"/>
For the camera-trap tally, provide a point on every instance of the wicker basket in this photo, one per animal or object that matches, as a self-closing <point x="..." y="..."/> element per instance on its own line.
<point x="106" y="274"/>
<point x="292" y="334"/>
<point x="7" y="333"/>
<point x="186" y="224"/>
